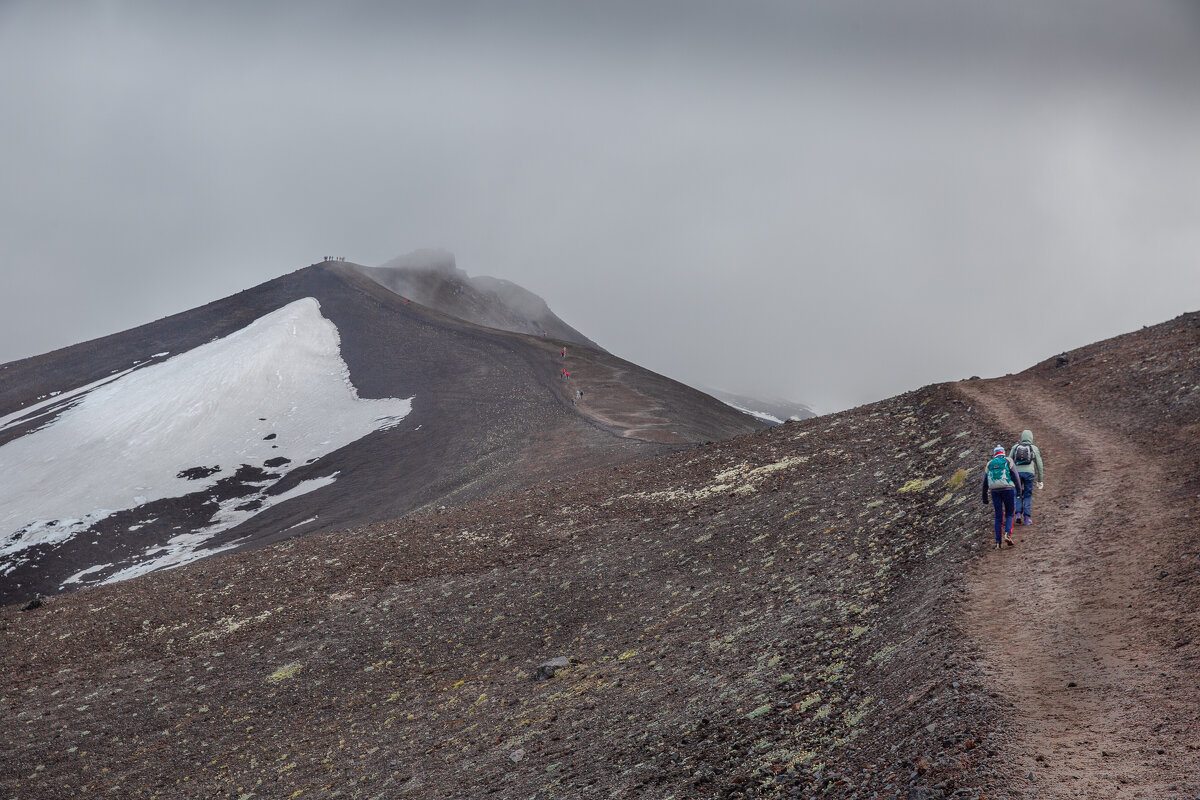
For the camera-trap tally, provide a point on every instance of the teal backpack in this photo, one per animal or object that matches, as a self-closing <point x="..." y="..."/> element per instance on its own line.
<point x="998" y="474"/>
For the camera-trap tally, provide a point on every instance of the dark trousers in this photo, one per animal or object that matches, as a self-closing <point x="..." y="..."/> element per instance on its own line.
<point x="1025" y="501"/>
<point x="1003" y="501"/>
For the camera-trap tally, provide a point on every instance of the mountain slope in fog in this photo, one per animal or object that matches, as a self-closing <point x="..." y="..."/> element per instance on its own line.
<point x="313" y="402"/>
<point x="432" y="278"/>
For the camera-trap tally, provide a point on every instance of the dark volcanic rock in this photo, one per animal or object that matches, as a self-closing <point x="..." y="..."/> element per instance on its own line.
<point x="489" y="414"/>
<point x="771" y="616"/>
<point x="196" y="473"/>
<point x="546" y="670"/>
<point x="432" y="278"/>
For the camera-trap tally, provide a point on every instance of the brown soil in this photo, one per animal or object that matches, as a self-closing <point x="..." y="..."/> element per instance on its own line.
<point x="1068" y="623"/>
<point x="764" y="617"/>
<point x="810" y="612"/>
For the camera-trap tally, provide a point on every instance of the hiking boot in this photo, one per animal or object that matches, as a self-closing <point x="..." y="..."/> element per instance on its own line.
<point x="1028" y="520"/>
<point x="999" y="546"/>
<point x="1017" y="519"/>
<point x="1008" y="541"/>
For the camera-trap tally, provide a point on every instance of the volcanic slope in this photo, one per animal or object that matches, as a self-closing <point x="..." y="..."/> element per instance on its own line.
<point x="803" y="612"/>
<point x="432" y="278"/>
<point x="316" y="401"/>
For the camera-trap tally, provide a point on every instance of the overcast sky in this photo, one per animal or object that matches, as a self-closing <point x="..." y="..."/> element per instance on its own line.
<point x="830" y="202"/>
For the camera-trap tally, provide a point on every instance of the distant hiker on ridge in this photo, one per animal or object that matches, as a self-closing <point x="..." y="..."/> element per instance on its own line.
<point x="1002" y="479"/>
<point x="1028" y="459"/>
<point x="563" y="353"/>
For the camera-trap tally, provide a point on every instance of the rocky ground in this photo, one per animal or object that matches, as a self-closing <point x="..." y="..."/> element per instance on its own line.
<point x="813" y="611"/>
<point x="1092" y="633"/>
<point x="491" y="413"/>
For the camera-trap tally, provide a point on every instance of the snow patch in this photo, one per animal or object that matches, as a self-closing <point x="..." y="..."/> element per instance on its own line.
<point x="123" y="441"/>
<point x="79" y="576"/>
<point x="762" y="415"/>
<point x="58" y="401"/>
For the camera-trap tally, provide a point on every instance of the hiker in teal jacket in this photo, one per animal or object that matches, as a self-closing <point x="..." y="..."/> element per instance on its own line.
<point x="1001" y="478"/>
<point x="1028" y="458"/>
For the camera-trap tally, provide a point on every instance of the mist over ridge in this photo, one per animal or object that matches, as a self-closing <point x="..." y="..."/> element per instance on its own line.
<point x="817" y="201"/>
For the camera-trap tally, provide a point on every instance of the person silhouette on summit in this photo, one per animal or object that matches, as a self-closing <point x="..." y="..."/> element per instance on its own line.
<point x="1001" y="478"/>
<point x="1028" y="459"/>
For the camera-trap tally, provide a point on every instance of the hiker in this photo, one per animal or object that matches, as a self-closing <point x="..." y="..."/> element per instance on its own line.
<point x="563" y="353"/>
<point x="1002" y="479"/>
<point x="1028" y="459"/>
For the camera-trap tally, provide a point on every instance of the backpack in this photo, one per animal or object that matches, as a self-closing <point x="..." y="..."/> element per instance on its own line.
<point x="1022" y="454"/>
<point x="998" y="474"/>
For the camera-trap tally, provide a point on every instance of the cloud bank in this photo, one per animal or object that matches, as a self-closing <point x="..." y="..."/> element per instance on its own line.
<point x="823" y="201"/>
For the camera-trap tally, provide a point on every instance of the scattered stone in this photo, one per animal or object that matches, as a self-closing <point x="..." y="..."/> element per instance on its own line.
<point x="516" y="755"/>
<point x="1062" y="360"/>
<point x="32" y="604"/>
<point x="411" y="785"/>
<point x="546" y="670"/>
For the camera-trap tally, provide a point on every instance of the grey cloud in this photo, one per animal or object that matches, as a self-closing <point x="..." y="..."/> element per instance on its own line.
<point x="826" y="201"/>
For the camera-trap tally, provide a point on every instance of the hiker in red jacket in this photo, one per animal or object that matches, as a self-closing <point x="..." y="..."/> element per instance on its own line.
<point x="1001" y="478"/>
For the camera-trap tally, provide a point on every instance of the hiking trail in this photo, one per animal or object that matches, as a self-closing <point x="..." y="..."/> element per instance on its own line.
<point x="1066" y="620"/>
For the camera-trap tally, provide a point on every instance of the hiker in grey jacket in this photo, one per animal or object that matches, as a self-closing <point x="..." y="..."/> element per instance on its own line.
<point x="1028" y="459"/>
<point x="1000" y="477"/>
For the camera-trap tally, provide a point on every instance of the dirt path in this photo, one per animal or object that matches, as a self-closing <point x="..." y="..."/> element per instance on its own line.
<point x="1065" y="621"/>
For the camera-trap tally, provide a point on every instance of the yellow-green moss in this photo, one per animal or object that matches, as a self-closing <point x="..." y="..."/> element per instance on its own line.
<point x="285" y="672"/>
<point x="758" y="712"/>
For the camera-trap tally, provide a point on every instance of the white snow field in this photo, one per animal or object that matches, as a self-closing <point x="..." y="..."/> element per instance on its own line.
<point x="763" y="415"/>
<point x="124" y="442"/>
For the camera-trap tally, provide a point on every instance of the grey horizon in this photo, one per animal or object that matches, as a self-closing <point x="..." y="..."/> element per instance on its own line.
<point x="831" y="203"/>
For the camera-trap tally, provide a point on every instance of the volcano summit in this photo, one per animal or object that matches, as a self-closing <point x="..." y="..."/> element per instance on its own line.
<point x="316" y="401"/>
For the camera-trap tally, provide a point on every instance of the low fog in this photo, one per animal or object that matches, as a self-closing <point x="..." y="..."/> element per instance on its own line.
<point x="822" y="201"/>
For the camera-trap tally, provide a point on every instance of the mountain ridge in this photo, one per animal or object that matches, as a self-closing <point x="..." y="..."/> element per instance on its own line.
<point x="433" y="278"/>
<point x="792" y="613"/>
<point x="489" y="412"/>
